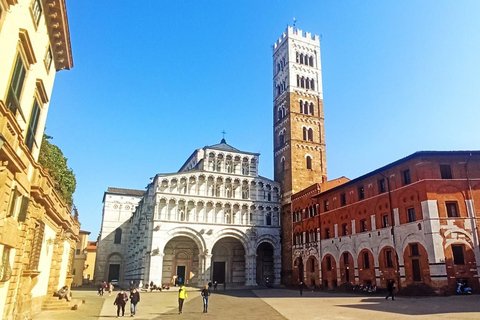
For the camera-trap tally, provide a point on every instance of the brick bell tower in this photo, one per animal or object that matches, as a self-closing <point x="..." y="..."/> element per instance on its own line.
<point x="298" y="125"/>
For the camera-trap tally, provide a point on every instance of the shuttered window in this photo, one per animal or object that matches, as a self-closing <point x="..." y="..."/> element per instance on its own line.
<point x="37" y="245"/>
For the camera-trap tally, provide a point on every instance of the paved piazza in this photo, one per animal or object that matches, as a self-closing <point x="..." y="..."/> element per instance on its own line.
<point x="275" y="304"/>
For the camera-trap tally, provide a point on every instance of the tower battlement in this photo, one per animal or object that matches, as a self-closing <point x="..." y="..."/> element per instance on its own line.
<point x="297" y="34"/>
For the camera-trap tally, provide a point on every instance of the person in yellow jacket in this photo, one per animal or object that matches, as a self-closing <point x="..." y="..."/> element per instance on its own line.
<point x="182" y="295"/>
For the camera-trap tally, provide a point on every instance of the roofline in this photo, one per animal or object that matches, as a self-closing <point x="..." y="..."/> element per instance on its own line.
<point x="122" y="193"/>
<point x="403" y="160"/>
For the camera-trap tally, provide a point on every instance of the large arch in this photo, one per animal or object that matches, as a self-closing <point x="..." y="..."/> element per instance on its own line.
<point x="228" y="261"/>
<point x="115" y="267"/>
<point x="265" y="263"/>
<point x="181" y="261"/>
<point x="329" y="271"/>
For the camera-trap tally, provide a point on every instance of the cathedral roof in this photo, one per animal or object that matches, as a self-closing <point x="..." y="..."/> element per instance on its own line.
<point x="224" y="146"/>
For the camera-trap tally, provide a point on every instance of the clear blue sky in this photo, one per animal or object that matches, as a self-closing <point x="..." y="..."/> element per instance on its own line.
<point x="155" y="80"/>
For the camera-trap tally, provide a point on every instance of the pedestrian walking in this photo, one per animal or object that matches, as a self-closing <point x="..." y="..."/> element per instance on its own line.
<point x="110" y="289"/>
<point x="300" y="287"/>
<point x="134" y="299"/>
<point x="205" y="295"/>
<point x="100" y="289"/>
<point x="120" y="302"/>
<point x="182" y="295"/>
<point x="215" y="284"/>
<point x="390" y="288"/>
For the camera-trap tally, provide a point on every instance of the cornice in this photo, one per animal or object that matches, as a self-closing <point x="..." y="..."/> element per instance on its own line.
<point x="58" y="31"/>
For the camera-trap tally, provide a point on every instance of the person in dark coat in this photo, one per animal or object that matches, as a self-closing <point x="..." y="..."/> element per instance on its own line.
<point x="134" y="299"/>
<point x="390" y="288"/>
<point x="205" y="295"/>
<point x="215" y="284"/>
<point x="120" y="302"/>
<point x="300" y="288"/>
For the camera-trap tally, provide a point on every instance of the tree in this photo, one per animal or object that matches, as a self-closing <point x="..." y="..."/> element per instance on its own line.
<point x="51" y="158"/>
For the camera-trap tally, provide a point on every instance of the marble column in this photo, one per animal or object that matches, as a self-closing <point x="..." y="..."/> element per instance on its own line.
<point x="156" y="268"/>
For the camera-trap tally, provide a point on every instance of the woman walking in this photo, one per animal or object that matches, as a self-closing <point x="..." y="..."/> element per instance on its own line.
<point x="205" y="295"/>
<point x="134" y="299"/>
<point x="182" y="295"/>
<point x="120" y="302"/>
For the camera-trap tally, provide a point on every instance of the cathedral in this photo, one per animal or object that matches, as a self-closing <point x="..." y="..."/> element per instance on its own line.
<point x="215" y="219"/>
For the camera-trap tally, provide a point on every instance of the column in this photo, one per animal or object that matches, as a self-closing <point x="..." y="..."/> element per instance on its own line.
<point x="251" y="270"/>
<point x="277" y="266"/>
<point x="156" y="268"/>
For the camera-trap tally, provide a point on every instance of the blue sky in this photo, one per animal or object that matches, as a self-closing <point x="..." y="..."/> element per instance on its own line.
<point x="152" y="82"/>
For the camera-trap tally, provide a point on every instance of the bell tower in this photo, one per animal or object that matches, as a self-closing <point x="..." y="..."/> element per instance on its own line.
<point x="298" y="124"/>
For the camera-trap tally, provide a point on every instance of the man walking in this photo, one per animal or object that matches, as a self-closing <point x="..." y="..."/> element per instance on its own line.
<point x="182" y="295"/>
<point x="205" y="295"/>
<point x="390" y="288"/>
<point x="134" y="299"/>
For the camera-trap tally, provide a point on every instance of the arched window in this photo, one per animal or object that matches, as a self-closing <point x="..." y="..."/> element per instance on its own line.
<point x="310" y="134"/>
<point x="307" y="84"/>
<point x="302" y="82"/>
<point x="311" y="108"/>
<point x="269" y="219"/>
<point x="298" y="81"/>
<point x="280" y="114"/>
<point x="305" y="107"/>
<point x="301" y="58"/>
<point x="282" y="164"/>
<point x="310" y="61"/>
<point x="298" y="59"/>
<point x="278" y="67"/>
<point x="281" y="139"/>
<point x="305" y="134"/>
<point x="312" y="84"/>
<point x="118" y="236"/>
<point x="301" y="106"/>
<point x="309" y="162"/>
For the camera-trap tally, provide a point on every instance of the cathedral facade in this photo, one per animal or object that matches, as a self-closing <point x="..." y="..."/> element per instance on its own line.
<point x="215" y="219"/>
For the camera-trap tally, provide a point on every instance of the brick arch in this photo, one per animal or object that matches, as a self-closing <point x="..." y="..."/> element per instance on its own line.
<point x="366" y="267"/>
<point x="465" y="271"/>
<point x="421" y="266"/>
<point x="329" y="271"/>
<point x="387" y="265"/>
<point x="347" y="267"/>
<point x="312" y="271"/>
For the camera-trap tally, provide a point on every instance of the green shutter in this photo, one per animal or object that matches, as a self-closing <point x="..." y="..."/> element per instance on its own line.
<point x="23" y="209"/>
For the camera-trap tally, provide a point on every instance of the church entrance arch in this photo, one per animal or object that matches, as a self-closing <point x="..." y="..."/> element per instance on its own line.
<point x="265" y="264"/>
<point x="180" y="261"/>
<point x="228" y="261"/>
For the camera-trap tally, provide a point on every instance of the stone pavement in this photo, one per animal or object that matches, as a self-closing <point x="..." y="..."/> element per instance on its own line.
<point x="266" y="304"/>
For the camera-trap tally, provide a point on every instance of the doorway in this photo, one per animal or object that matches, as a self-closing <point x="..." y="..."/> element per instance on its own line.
<point x="113" y="272"/>
<point x="219" y="272"/>
<point x="181" y="274"/>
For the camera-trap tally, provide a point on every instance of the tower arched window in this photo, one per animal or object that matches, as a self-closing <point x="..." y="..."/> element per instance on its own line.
<point x="301" y="58"/>
<point x="118" y="236"/>
<point x="298" y="58"/>
<point x="311" y="108"/>
<point x="269" y="219"/>
<point x="280" y="116"/>
<point x="298" y="81"/>
<point x="281" y="139"/>
<point x="310" y="61"/>
<point x="282" y="164"/>
<point x="278" y="67"/>
<point x="310" y="134"/>
<point x="301" y="106"/>
<point x="312" y="84"/>
<point x="302" y="82"/>
<point x="307" y="84"/>
<point x="305" y="134"/>
<point x="309" y="162"/>
<point x="305" y="107"/>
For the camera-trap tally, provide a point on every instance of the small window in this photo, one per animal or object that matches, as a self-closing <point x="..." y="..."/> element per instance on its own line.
<point x="269" y="219"/>
<point x="446" y="171"/>
<point x="326" y="205"/>
<point x="458" y="257"/>
<point x="37" y="11"/>
<point x="366" y="260"/>
<point x="309" y="163"/>
<point x="385" y="220"/>
<point x="329" y="263"/>
<point x="345" y="258"/>
<point x="327" y="233"/>
<point x="77" y="252"/>
<point x="16" y="86"/>
<point x="32" y="126"/>
<point x="118" y="236"/>
<point x="414" y="249"/>
<point x="48" y="58"/>
<point x="345" y="229"/>
<point x="361" y="193"/>
<point x="388" y="259"/>
<point x="343" y="199"/>
<point x="452" y="209"/>
<point x="406" y="177"/>
<point x="381" y="186"/>
<point x="13" y="202"/>
<point x="411" y="214"/>
<point x="363" y="225"/>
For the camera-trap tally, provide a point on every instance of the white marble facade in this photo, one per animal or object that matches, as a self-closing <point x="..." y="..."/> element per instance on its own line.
<point x="214" y="219"/>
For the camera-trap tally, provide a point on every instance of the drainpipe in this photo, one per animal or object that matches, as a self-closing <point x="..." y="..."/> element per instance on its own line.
<point x="392" y="217"/>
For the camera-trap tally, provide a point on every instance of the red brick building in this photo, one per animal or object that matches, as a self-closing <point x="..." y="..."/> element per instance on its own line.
<point x="414" y="221"/>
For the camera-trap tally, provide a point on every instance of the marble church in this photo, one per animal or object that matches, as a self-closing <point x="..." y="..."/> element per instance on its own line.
<point x="215" y="219"/>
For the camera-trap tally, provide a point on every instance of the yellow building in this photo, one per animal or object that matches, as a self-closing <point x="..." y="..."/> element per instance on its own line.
<point x="37" y="230"/>
<point x="80" y="259"/>
<point x="89" y="271"/>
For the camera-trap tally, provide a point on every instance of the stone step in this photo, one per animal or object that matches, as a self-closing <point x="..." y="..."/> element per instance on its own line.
<point x="56" y="304"/>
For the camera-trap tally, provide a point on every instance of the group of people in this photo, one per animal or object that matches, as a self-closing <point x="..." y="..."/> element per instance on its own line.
<point x="122" y="298"/>
<point x="182" y="295"/>
<point x="104" y="287"/>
